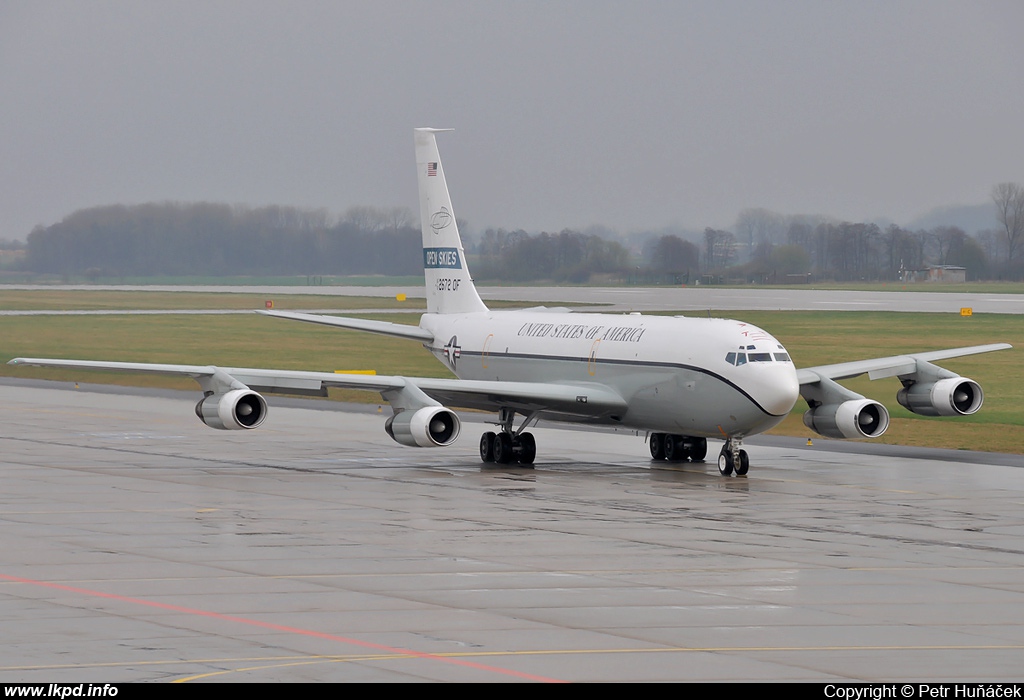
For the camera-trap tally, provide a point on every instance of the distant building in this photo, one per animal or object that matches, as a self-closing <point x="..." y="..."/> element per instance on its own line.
<point x="949" y="274"/>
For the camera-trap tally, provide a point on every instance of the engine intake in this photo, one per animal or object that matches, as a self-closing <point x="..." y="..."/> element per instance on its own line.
<point x="241" y="409"/>
<point x="859" y="418"/>
<point x="434" y="426"/>
<point x="957" y="396"/>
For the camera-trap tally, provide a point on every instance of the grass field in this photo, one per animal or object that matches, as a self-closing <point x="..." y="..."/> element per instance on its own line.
<point x="241" y="280"/>
<point x="812" y="338"/>
<point x="967" y="288"/>
<point x="76" y="300"/>
<point x="66" y="300"/>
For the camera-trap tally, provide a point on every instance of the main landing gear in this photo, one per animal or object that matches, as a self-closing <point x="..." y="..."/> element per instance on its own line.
<point x="507" y="446"/>
<point x="732" y="458"/>
<point x="677" y="448"/>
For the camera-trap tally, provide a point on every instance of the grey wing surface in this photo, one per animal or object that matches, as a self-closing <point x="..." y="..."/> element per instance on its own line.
<point x="587" y="401"/>
<point x="896" y="365"/>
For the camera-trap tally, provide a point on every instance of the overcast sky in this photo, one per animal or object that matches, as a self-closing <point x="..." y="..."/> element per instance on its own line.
<point x="631" y="114"/>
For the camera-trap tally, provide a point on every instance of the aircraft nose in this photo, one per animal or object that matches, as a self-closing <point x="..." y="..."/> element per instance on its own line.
<point x="781" y="394"/>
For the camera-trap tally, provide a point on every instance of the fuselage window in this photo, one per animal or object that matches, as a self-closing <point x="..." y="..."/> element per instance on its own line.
<point x="760" y="357"/>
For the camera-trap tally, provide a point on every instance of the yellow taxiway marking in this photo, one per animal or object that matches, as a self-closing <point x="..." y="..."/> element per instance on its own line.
<point x="579" y="652"/>
<point x="485" y="573"/>
<point x="284" y="661"/>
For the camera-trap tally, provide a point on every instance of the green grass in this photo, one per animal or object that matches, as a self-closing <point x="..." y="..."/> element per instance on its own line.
<point x="73" y="300"/>
<point x="812" y="337"/>
<point x="228" y="340"/>
<point x="233" y="281"/>
<point x="77" y="300"/>
<point x="985" y="287"/>
<point x="966" y="288"/>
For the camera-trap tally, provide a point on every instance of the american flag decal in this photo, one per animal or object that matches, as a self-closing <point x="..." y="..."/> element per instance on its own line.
<point x="431" y="169"/>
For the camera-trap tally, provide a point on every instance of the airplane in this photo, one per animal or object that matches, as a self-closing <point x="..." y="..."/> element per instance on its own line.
<point x="680" y="380"/>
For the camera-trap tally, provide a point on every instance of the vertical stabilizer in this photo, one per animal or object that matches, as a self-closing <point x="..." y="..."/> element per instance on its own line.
<point x="450" y="289"/>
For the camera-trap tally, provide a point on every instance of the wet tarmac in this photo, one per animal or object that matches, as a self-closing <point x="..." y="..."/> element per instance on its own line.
<point x="139" y="545"/>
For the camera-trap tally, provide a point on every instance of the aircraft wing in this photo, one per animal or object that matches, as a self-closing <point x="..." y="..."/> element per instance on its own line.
<point x="587" y="400"/>
<point x="888" y="366"/>
<point x="399" y="330"/>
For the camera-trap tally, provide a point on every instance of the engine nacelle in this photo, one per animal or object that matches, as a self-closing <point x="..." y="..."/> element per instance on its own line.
<point x="859" y="418"/>
<point x="434" y="426"/>
<point x="956" y="396"/>
<point x="240" y="409"/>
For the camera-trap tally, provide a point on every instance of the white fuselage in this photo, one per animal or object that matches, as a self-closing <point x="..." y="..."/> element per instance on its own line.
<point x="675" y="374"/>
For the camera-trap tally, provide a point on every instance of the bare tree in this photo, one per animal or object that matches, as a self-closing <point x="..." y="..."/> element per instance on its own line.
<point x="366" y="218"/>
<point x="992" y="242"/>
<point x="719" y="248"/>
<point x="944" y="242"/>
<point x="400" y="217"/>
<point x="1009" y="201"/>
<point x="760" y="229"/>
<point x="673" y="254"/>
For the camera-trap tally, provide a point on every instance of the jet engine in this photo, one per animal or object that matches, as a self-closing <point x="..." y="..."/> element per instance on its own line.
<point x="240" y="409"/>
<point x="433" y="426"/>
<point x="956" y="396"/>
<point x="857" y="418"/>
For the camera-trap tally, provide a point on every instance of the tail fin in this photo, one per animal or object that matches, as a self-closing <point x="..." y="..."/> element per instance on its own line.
<point x="450" y="289"/>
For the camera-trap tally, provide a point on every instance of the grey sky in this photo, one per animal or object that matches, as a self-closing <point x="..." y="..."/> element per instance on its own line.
<point x="631" y="114"/>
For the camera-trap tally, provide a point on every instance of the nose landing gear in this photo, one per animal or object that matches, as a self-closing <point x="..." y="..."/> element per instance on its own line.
<point x="732" y="458"/>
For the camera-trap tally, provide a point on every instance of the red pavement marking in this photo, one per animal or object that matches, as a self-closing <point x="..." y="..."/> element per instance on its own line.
<point x="282" y="628"/>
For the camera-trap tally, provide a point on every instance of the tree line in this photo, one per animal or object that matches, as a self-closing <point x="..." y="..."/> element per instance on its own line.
<point x="208" y="239"/>
<point x="218" y="239"/>
<point x="567" y="256"/>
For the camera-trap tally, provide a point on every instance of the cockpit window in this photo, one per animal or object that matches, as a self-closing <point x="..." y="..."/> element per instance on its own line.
<point x="742" y="358"/>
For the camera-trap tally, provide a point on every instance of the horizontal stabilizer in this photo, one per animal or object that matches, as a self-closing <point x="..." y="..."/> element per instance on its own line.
<point x="397" y="330"/>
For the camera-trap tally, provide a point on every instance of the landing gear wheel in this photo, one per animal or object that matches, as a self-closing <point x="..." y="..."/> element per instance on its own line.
<point x="487" y="447"/>
<point x="675" y="448"/>
<point x="699" y="450"/>
<point x="744" y="465"/>
<point x="503" y="448"/>
<point x="725" y="463"/>
<point x="656" y="441"/>
<point x="527" y="448"/>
